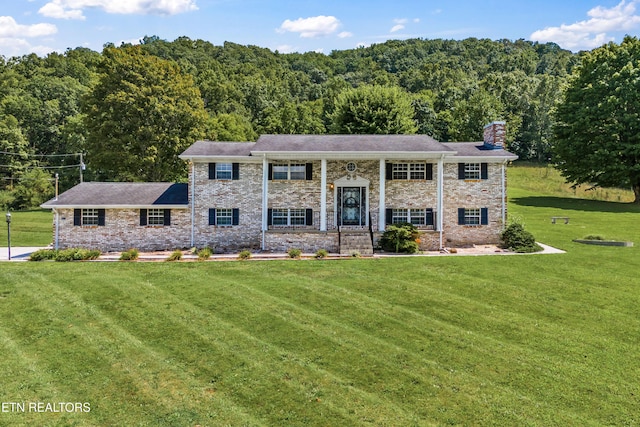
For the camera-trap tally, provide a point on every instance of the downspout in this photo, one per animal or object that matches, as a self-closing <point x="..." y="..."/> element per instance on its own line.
<point x="265" y="202"/>
<point x="193" y="203"/>
<point x="504" y="195"/>
<point x="56" y="238"/>
<point x="440" y="199"/>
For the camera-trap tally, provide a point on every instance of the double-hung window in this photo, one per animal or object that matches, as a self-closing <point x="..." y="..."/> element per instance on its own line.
<point x="224" y="170"/>
<point x="290" y="171"/>
<point x="473" y="216"/>
<point x="409" y="171"/>
<point x="224" y="217"/>
<point x="473" y="171"/>
<point x="155" y="217"/>
<point x="89" y="216"/>
<point x="290" y="217"/>
<point x="416" y="217"/>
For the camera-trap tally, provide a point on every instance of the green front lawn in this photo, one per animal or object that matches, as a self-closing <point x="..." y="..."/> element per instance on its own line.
<point x="493" y="340"/>
<point x="28" y="228"/>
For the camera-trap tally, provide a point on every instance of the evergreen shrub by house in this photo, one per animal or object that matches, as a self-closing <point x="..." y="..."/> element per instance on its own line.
<point x="517" y="239"/>
<point x="321" y="253"/>
<point x="400" y="238"/>
<point x="65" y="255"/>
<point x="245" y="254"/>
<point x="175" y="255"/>
<point x="294" y="253"/>
<point x="204" y="253"/>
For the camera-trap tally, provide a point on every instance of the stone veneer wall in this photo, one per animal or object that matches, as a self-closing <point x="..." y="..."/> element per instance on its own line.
<point x="459" y="193"/>
<point x="122" y="231"/>
<point x="244" y="194"/>
<point x="309" y="241"/>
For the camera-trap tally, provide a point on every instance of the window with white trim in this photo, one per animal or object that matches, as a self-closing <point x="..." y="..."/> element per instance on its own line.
<point x="224" y="170"/>
<point x="412" y="216"/>
<point x="472" y="171"/>
<point x="155" y="216"/>
<point x="410" y="171"/>
<point x="90" y="217"/>
<point x="472" y="216"/>
<point x="224" y="217"/>
<point x="289" y="171"/>
<point x="288" y="217"/>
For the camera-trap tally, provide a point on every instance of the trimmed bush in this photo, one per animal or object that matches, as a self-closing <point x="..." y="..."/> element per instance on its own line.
<point x="246" y="254"/>
<point x="76" y="254"/>
<point x="43" y="255"/>
<point x="175" y="255"/>
<point x="321" y="253"/>
<point x="130" y="255"/>
<point x="517" y="239"/>
<point x="294" y="253"/>
<point x="400" y="238"/>
<point x="204" y="253"/>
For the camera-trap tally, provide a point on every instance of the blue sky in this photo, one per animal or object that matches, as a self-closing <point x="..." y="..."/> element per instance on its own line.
<point x="42" y="26"/>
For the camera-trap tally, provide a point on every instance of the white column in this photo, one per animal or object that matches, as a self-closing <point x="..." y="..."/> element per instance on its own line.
<point x="265" y="198"/>
<point x="441" y="198"/>
<point x="382" y="209"/>
<point x="323" y="195"/>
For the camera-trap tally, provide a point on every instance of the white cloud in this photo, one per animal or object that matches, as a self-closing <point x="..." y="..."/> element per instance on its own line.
<point x="345" y="34"/>
<point x="397" y="27"/>
<point x="10" y="28"/>
<point x="401" y="24"/>
<point x="593" y="32"/>
<point x="73" y="9"/>
<point x="317" y="26"/>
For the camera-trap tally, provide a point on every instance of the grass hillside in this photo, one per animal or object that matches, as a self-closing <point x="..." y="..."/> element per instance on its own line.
<point x="519" y="340"/>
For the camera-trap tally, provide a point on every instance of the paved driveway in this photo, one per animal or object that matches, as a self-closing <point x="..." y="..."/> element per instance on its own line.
<point x="17" y="253"/>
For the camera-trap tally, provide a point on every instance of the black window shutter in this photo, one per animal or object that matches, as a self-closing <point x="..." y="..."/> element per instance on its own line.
<point x="236" y="217"/>
<point x="484" y="171"/>
<point x="235" y="171"/>
<point x="429" y="219"/>
<point x="269" y="216"/>
<point x="77" y="217"/>
<point x="460" y="170"/>
<point x="429" y="171"/>
<point x="484" y="216"/>
<point x="212" y="216"/>
<point x="460" y="216"/>
<point x="212" y="171"/>
<point x="388" y="216"/>
<point x="143" y="217"/>
<point x="270" y="171"/>
<point x="308" y="217"/>
<point x="309" y="174"/>
<point x="389" y="171"/>
<point x="101" y="216"/>
<point x="167" y="217"/>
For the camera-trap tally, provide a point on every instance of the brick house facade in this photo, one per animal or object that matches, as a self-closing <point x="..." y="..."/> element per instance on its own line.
<point x="333" y="192"/>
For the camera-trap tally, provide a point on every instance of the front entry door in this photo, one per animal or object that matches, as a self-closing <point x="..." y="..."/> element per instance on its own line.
<point x="352" y="206"/>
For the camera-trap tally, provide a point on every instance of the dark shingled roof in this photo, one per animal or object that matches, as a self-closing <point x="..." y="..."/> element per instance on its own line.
<point x="134" y="194"/>
<point x="473" y="149"/>
<point x="215" y="148"/>
<point x="348" y="143"/>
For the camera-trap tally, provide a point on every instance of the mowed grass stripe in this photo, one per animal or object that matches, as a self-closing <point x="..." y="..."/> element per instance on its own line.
<point x="315" y="323"/>
<point x="128" y="370"/>
<point x="177" y="312"/>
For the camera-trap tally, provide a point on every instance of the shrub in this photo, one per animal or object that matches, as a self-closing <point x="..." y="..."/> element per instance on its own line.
<point x="130" y="255"/>
<point x="400" y="238"/>
<point x="321" y="253"/>
<point x="517" y="239"/>
<point x="76" y="254"/>
<point x="246" y="254"/>
<point x="43" y="254"/>
<point x="294" y="253"/>
<point x="175" y="255"/>
<point x="593" y="237"/>
<point x="204" y="253"/>
<point x="355" y="254"/>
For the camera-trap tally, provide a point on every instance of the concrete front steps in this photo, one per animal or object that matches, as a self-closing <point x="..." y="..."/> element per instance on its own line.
<point x="356" y="241"/>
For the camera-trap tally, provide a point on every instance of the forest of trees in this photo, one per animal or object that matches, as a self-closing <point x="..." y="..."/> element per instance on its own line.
<point x="146" y="103"/>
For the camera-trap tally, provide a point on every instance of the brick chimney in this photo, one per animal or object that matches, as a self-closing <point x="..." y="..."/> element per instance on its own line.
<point x="495" y="134"/>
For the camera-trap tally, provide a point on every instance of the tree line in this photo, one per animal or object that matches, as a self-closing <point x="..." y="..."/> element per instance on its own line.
<point x="131" y="109"/>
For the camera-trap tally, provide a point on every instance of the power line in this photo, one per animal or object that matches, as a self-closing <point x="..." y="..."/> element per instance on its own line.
<point x="39" y="155"/>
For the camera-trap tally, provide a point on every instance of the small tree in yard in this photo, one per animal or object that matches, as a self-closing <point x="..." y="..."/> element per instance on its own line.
<point x="400" y="238"/>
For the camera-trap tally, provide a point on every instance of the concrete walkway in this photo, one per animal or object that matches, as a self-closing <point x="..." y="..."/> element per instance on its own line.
<point x="17" y="253"/>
